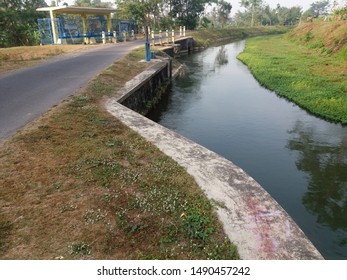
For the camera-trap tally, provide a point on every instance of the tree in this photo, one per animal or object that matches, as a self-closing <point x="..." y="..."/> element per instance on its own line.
<point x="269" y="16"/>
<point x="252" y="6"/>
<point x="164" y="13"/>
<point x="318" y="8"/>
<point x="187" y="12"/>
<point x="92" y="3"/>
<point x="340" y="12"/>
<point x="288" y="16"/>
<point x="263" y="14"/>
<point x="18" y="22"/>
<point x="223" y="11"/>
<point x="146" y="12"/>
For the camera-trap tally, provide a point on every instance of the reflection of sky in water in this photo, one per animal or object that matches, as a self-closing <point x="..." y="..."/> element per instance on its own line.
<point x="299" y="159"/>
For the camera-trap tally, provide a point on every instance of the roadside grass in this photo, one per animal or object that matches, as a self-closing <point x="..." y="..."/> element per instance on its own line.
<point x="20" y="57"/>
<point x="314" y="80"/>
<point x="78" y="184"/>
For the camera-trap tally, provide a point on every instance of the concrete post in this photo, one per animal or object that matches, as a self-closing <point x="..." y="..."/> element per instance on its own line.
<point x="184" y="31"/>
<point x="173" y="36"/>
<point x="180" y="31"/>
<point x="161" y="37"/>
<point x="125" y="36"/>
<point x="153" y="38"/>
<point x="103" y="35"/>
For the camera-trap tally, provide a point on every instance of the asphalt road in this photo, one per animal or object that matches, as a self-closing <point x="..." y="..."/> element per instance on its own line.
<point x="27" y="93"/>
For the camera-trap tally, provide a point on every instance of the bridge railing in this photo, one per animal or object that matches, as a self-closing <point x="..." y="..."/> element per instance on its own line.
<point x="160" y="37"/>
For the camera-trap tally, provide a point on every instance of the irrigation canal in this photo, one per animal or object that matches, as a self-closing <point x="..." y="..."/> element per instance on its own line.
<point x="299" y="159"/>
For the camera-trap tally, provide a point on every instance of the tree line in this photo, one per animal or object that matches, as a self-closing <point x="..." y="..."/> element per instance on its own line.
<point x="258" y="12"/>
<point x="18" y="18"/>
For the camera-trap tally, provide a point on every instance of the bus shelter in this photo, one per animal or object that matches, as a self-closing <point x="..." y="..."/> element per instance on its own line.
<point x="55" y="26"/>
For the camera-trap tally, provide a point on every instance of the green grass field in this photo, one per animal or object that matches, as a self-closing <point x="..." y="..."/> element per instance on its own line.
<point x="312" y="78"/>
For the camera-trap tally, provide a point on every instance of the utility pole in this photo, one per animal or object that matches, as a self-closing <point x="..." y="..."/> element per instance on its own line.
<point x="147" y="45"/>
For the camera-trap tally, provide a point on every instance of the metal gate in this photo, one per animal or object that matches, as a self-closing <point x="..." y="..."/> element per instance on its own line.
<point x="45" y="29"/>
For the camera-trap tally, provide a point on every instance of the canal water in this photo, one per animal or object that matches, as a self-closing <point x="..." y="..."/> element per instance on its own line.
<point x="299" y="159"/>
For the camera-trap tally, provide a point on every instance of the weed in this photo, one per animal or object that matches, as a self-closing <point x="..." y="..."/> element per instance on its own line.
<point x="160" y="200"/>
<point x="226" y="250"/>
<point x="122" y="219"/>
<point x="197" y="227"/>
<point x="130" y="177"/>
<point x="337" y="41"/>
<point x="308" y="36"/>
<point x="80" y="249"/>
<point x="317" y="45"/>
<point x="327" y="51"/>
<point x="67" y="207"/>
<point x="5" y="228"/>
<point x="137" y="228"/>
<point x="56" y="186"/>
<point x="80" y="99"/>
<point x="218" y="203"/>
<point x="89" y="134"/>
<point x="101" y="89"/>
<point x="102" y="171"/>
<point x="93" y="216"/>
<point x="106" y="197"/>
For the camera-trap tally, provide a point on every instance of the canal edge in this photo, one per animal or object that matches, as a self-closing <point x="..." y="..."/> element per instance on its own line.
<point x="251" y="218"/>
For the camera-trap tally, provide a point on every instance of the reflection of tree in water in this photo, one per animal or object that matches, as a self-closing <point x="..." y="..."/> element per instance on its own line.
<point x="222" y="57"/>
<point x="326" y="166"/>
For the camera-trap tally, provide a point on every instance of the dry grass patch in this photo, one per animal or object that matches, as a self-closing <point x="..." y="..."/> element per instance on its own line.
<point x="325" y="37"/>
<point x="20" y="57"/>
<point x="81" y="185"/>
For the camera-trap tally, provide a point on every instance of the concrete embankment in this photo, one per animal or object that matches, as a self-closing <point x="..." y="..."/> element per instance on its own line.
<point x="251" y="218"/>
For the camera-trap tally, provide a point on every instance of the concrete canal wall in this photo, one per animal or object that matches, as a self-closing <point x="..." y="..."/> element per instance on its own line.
<point x="251" y="218"/>
<point x="141" y="93"/>
<point x="182" y="45"/>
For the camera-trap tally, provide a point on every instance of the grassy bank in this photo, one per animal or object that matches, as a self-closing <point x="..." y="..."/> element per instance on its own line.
<point x="77" y="184"/>
<point x="307" y="66"/>
<point x="207" y="37"/>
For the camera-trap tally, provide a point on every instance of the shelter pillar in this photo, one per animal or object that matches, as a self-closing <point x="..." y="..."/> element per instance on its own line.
<point x="85" y="28"/>
<point x="54" y="28"/>
<point x="109" y="25"/>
